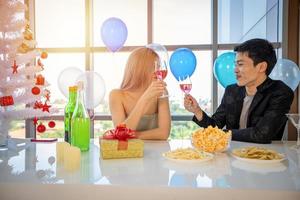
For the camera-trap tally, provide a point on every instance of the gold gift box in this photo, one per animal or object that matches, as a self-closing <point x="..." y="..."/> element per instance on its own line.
<point x="111" y="149"/>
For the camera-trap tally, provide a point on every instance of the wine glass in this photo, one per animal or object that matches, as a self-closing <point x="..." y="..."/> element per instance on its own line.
<point x="161" y="72"/>
<point x="295" y="119"/>
<point x="185" y="84"/>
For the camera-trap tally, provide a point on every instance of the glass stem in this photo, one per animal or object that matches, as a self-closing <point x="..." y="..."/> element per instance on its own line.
<point x="298" y="137"/>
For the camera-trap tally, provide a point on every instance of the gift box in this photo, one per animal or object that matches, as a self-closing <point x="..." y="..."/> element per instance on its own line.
<point x="121" y="142"/>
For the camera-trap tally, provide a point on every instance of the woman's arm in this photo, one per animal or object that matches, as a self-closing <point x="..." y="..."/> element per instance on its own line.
<point x="164" y="123"/>
<point x="118" y="112"/>
<point x="117" y="109"/>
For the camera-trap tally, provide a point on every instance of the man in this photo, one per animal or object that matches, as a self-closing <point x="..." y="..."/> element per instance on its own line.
<point x="253" y="109"/>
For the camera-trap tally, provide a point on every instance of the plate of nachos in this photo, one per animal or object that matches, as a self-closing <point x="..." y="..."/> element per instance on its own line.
<point x="255" y="154"/>
<point x="188" y="155"/>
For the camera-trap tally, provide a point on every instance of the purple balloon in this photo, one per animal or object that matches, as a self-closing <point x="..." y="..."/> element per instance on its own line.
<point x="114" y="33"/>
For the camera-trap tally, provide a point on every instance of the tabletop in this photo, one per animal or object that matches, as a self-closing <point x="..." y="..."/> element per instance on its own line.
<point x="30" y="171"/>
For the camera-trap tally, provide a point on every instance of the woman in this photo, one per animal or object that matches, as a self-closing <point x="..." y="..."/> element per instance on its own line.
<point x="137" y="103"/>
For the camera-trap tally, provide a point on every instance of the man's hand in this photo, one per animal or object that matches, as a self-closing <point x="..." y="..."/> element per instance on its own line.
<point x="191" y="105"/>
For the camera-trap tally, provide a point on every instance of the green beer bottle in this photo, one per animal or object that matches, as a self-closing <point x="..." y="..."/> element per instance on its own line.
<point x="69" y="109"/>
<point x="80" y="124"/>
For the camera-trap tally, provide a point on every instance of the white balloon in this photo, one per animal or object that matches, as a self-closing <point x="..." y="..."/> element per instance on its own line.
<point x="161" y="52"/>
<point x="68" y="78"/>
<point x="286" y="71"/>
<point x="94" y="88"/>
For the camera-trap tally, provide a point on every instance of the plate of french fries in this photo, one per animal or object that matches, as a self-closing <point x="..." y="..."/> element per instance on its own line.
<point x="189" y="155"/>
<point x="211" y="139"/>
<point x="256" y="154"/>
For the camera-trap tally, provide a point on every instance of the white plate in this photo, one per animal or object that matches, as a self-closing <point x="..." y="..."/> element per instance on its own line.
<point x="208" y="156"/>
<point x="258" y="161"/>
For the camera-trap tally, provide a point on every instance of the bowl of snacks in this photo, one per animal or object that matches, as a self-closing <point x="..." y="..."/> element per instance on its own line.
<point x="211" y="139"/>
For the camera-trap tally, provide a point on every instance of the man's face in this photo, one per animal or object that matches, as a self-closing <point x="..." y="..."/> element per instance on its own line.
<point x="246" y="72"/>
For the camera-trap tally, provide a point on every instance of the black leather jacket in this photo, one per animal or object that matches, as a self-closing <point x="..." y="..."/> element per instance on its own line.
<point x="266" y="118"/>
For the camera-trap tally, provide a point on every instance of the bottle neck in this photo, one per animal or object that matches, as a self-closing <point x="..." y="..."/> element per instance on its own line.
<point x="72" y="96"/>
<point x="80" y="110"/>
<point x="80" y="97"/>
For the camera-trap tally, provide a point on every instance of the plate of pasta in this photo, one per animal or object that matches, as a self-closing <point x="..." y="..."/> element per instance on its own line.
<point x="187" y="155"/>
<point x="255" y="154"/>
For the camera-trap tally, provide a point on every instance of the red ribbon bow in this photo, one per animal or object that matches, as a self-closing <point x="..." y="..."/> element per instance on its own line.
<point x="119" y="133"/>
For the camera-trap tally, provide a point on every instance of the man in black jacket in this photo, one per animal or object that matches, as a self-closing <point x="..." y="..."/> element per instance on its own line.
<point x="253" y="109"/>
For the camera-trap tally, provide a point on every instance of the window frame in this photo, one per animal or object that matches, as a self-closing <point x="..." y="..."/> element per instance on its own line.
<point x="89" y="50"/>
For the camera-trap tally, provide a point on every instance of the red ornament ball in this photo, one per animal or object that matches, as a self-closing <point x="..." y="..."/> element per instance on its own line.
<point x="35" y="90"/>
<point x="51" y="124"/>
<point x="41" y="128"/>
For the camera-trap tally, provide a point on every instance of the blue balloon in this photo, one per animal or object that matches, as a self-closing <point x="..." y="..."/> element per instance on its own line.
<point x="286" y="71"/>
<point x="224" y="69"/>
<point x="114" y="33"/>
<point x="183" y="63"/>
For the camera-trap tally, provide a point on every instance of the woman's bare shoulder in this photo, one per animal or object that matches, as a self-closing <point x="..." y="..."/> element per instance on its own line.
<point x="116" y="93"/>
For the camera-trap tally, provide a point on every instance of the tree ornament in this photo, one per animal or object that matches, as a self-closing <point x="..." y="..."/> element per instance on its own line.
<point x="38" y="105"/>
<point x="7" y="101"/>
<point x="46" y="94"/>
<point x="27" y="34"/>
<point x="44" y="55"/>
<point x="36" y="90"/>
<point x="35" y="120"/>
<point x="51" y="124"/>
<point x="40" y="64"/>
<point x="46" y="107"/>
<point x="26" y="45"/>
<point x="39" y="80"/>
<point x="41" y="128"/>
<point x="15" y="67"/>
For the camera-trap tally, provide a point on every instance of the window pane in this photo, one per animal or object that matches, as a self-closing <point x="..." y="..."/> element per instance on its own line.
<point x="182" y="129"/>
<point x="57" y="131"/>
<point x="17" y="129"/>
<point x="111" y="67"/>
<point x="132" y="12"/>
<point x="60" y="23"/>
<point x="53" y="66"/>
<point x="101" y="126"/>
<point x="182" y="22"/>
<point x="201" y="89"/>
<point x="240" y="20"/>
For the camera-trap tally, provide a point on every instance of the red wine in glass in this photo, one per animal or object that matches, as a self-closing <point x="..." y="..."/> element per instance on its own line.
<point x="161" y="74"/>
<point x="185" y="84"/>
<point x="186" y="87"/>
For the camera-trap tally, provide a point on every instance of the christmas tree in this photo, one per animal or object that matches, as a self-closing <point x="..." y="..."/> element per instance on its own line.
<point x="23" y="92"/>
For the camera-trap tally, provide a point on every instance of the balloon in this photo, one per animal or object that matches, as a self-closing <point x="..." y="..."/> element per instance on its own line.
<point x="113" y="33"/>
<point x="224" y="69"/>
<point x="94" y="88"/>
<point x="161" y="51"/>
<point x="286" y="71"/>
<point x="68" y="78"/>
<point x="182" y="63"/>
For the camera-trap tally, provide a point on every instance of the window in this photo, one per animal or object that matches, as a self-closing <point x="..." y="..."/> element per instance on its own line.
<point x="70" y="31"/>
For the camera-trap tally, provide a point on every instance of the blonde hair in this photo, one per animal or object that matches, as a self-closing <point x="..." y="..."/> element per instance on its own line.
<point x="139" y="69"/>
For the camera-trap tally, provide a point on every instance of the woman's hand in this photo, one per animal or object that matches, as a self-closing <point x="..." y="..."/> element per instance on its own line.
<point x="155" y="89"/>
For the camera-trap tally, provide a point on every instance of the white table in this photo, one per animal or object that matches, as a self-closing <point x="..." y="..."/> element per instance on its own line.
<point x="30" y="172"/>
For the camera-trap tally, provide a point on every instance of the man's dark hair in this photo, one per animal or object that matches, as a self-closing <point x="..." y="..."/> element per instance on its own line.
<point x="259" y="50"/>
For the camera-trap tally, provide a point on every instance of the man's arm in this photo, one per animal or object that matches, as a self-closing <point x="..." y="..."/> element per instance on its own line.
<point x="217" y="119"/>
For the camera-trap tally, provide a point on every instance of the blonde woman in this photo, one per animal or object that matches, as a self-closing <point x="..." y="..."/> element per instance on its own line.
<point x="137" y="103"/>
